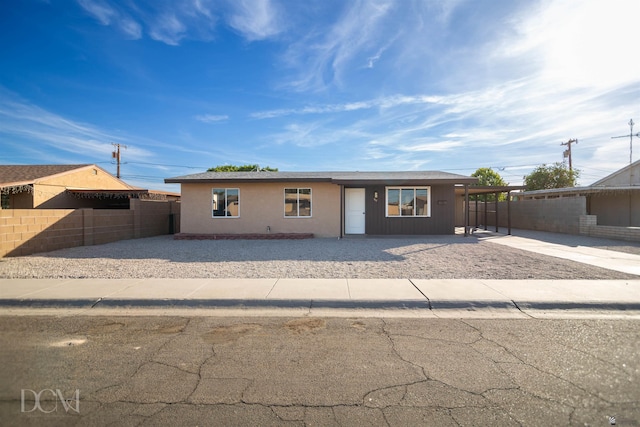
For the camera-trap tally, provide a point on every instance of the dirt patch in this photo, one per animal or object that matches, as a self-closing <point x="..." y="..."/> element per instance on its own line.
<point x="299" y="326"/>
<point x="173" y="329"/>
<point x="223" y="334"/>
<point x="106" y="328"/>
<point x="358" y="325"/>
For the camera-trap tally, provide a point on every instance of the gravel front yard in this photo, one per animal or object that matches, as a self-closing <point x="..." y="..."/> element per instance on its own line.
<point x="431" y="257"/>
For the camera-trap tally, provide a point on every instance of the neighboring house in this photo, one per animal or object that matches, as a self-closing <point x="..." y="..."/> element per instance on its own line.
<point x="66" y="187"/>
<point x="326" y="204"/>
<point x="614" y="200"/>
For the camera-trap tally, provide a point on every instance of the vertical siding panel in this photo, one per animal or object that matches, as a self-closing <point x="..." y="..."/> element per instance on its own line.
<point x="441" y="220"/>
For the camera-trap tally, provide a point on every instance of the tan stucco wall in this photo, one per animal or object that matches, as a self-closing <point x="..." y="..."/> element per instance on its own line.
<point x="620" y="210"/>
<point x="261" y="205"/>
<point x="47" y="192"/>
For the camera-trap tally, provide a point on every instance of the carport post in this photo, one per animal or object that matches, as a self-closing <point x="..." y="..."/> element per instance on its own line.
<point x="497" y="211"/>
<point x="342" y="210"/>
<point x="509" y="212"/>
<point x="466" y="208"/>
<point x="475" y="224"/>
<point x="485" y="220"/>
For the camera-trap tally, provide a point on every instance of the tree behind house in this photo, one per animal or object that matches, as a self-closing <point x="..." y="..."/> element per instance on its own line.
<point x="553" y="176"/>
<point x="488" y="177"/>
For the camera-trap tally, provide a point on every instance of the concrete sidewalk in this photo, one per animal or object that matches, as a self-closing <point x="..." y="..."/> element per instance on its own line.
<point x="446" y="297"/>
<point x="574" y="248"/>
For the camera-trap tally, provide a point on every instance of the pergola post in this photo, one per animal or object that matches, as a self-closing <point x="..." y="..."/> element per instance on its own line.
<point x="509" y="212"/>
<point x="466" y="208"/>
<point x="485" y="212"/>
<point x="496" y="194"/>
<point x="342" y="212"/>
<point x="475" y="224"/>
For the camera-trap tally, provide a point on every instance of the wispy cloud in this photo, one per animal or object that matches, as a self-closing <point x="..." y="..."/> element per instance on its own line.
<point x="167" y="28"/>
<point x="371" y="61"/>
<point x="383" y="102"/>
<point x="130" y="27"/>
<point x="166" y="22"/>
<point x="321" y="57"/>
<point x="255" y="19"/>
<point x="107" y="14"/>
<point x="520" y="121"/>
<point x="99" y="10"/>
<point x="21" y="119"/>
<point x="211" y="118"/>
<point x="172" y="22"/>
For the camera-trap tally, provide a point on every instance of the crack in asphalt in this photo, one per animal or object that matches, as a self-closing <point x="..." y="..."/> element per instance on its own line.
<point x="536" y="368"/>
<point x="395" y="350"/>
<point x="389" y="398"/>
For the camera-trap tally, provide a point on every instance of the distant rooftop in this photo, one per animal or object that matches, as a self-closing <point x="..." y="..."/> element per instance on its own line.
<point x="10" y="174"/>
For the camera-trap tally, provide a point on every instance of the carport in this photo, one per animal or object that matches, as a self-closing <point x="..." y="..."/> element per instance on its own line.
<point x="479" y="190"/>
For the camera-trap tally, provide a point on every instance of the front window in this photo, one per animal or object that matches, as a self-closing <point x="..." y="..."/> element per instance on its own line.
<point x="226" y="202"/>
<point x="408" y="202"/>
<point x="297" y="202"/>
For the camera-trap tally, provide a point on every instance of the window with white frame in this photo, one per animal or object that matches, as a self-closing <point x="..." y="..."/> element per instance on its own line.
<point x="408" y="201"/>
<point x="226" y="202"/>
<point x="297" y="202"/>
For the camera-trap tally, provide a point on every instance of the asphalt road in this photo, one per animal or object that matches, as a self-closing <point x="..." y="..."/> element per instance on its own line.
<point x="317" y="371"/>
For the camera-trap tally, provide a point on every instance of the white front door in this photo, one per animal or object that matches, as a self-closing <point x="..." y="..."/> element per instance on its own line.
<point x="354" y="211"/>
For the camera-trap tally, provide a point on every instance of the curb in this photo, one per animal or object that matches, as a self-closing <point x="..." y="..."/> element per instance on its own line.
<point x="304" y="303"/>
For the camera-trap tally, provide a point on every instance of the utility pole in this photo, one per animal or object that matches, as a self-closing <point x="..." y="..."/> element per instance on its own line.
<point x="567" y="152"/>
<point x="116" y="155"/>
<point x="631" y="135"/>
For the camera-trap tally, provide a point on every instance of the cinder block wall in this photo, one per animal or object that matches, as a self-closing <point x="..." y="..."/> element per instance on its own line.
<point x="152" y="217"/>
<point x="29" y="231"/>
<point x="589" y="226"/>
<point x="112" y="225"/>
<point x="560" y="215"/>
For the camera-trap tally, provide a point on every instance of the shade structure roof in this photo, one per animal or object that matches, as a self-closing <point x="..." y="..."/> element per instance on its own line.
<point x="489" y="189"/>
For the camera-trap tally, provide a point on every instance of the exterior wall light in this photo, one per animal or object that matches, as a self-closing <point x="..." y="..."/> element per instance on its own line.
<point x="375" y="196"/>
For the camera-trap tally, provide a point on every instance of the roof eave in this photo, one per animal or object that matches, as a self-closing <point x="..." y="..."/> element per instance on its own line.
<point x="401" y="182"/>
<point x="227" y="180"/>
<point x="16" y="184"/>
<point x="339" y="181"/>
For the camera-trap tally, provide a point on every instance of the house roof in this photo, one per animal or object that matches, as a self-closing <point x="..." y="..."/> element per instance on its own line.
<point x="572" y="191"/>
<point x="628" y="175"/>
<point x="19" y="175"/>
<point x="28" y="174"/>
<point x="621" y="181"/>
<point x="348" y="178"/>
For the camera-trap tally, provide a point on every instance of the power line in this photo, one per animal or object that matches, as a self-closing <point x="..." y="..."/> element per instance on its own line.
<point x="173" y="166"/>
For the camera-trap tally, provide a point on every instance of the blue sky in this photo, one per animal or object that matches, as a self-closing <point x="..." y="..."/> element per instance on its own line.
<point x="319" y="85"/>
